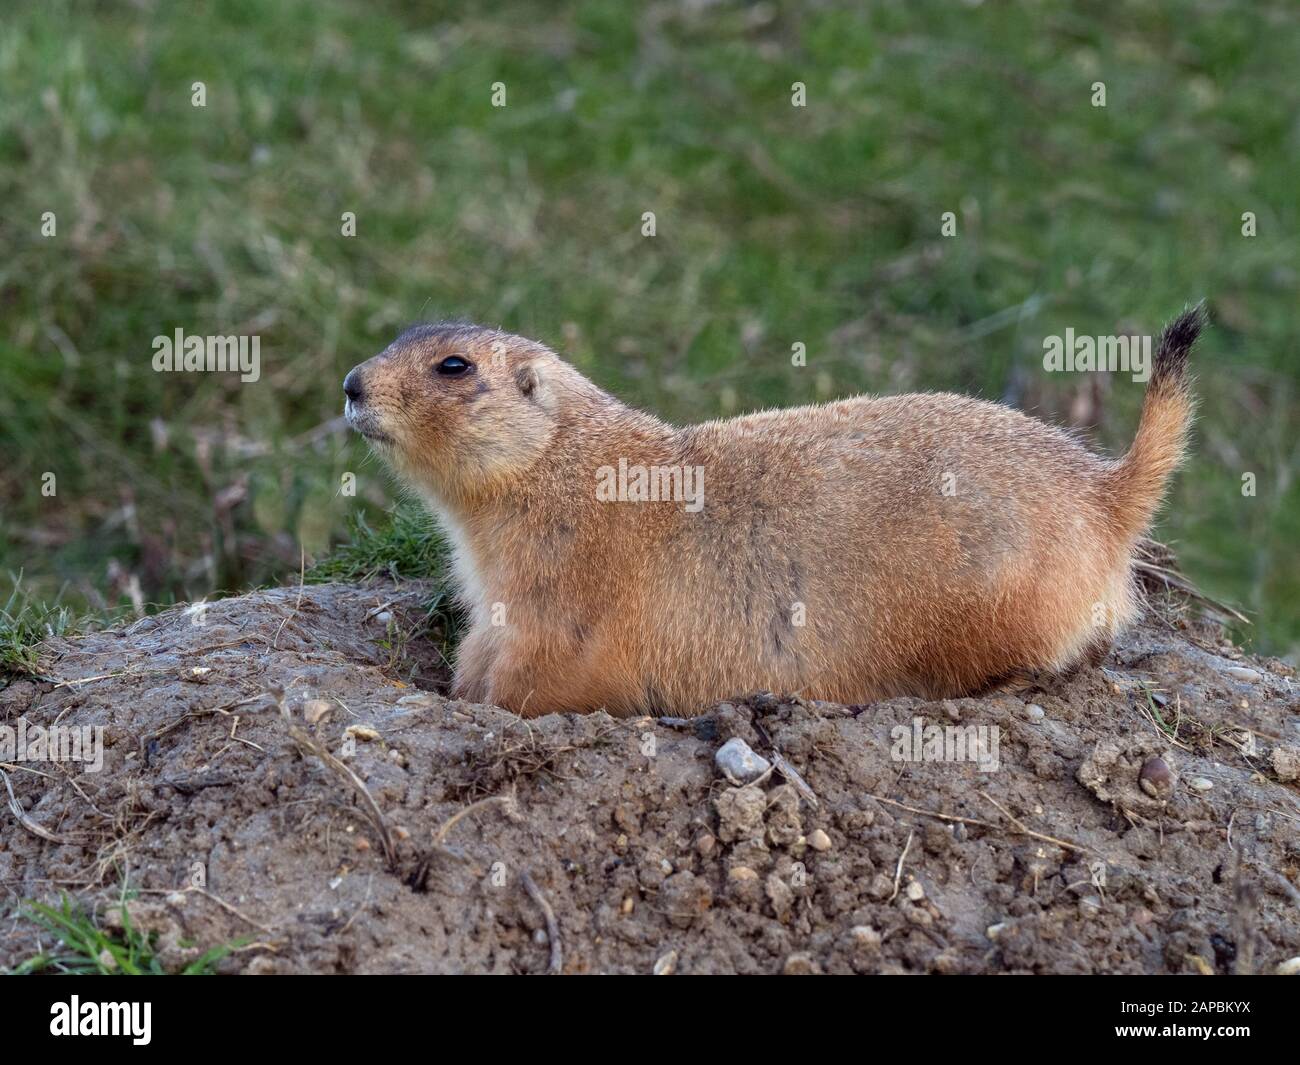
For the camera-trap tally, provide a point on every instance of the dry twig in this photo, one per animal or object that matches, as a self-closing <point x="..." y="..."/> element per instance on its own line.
<point x="311" y="745"/>
<point x="17" y="808"/>
<point x="898" y="873"/>
<point x="552" y="925"/>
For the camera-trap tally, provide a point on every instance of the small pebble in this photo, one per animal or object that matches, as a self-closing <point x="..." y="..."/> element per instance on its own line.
<point x="361" y="732"/>
<point x="1243" y="673"/>
<point x="744" y="886"/>
<point x="1286" y="762"/>
<point x="1156" y="778"/>
<point x="915" y="891"/>
<point x="315" y="709"/>
<point x="1035" y="712"/>
<point x="881" y="887"/>
<point x="738" y="762"/>
<point x="1290" y="967"/>
<point x="705" y="843"/>
<point x="819" y="841"/>
<point x="1201" y="784"/>
<point x="666" y="964"/>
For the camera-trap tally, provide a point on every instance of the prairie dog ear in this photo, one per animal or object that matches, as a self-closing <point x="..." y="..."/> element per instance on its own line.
<point x="529" y="379"/>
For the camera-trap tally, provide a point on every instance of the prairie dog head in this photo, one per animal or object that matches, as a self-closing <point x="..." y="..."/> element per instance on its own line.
<point x="458" y="409"/>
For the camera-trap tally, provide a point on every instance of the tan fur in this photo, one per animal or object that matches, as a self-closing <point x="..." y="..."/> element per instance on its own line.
<point x="930" y="544"/>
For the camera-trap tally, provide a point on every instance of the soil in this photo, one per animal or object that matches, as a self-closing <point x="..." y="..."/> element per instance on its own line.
<point x="282" y="771"/>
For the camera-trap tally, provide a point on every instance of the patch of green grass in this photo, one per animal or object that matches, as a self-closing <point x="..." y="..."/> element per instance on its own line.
<point x="407" y="545"/>
<point x="24" y="623"/>
<point x="85" y="948"/>
<point x="776" y="225"/>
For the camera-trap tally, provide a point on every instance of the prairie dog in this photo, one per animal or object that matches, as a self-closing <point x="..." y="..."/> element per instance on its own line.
<point x="929" y="544"/>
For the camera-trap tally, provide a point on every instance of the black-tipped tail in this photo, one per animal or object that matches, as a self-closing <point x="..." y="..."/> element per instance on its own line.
<point x="1169" y="369"/>
<point x="1137" y="481"/>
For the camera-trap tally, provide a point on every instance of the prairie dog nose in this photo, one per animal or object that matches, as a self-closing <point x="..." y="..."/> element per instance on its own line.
<point x="352" y="387"/>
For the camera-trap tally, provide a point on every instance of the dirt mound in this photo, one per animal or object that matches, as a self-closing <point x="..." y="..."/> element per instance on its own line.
<point x="279" y="770"/>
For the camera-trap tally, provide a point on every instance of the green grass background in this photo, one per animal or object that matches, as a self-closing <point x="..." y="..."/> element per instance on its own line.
<point x="776" y="225"/>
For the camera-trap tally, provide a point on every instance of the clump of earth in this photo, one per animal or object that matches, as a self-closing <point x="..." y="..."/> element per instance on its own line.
<point x="283" y="774"/>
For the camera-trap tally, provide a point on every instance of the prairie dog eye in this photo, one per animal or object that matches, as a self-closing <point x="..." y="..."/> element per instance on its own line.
<point x="454" y="366"/>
